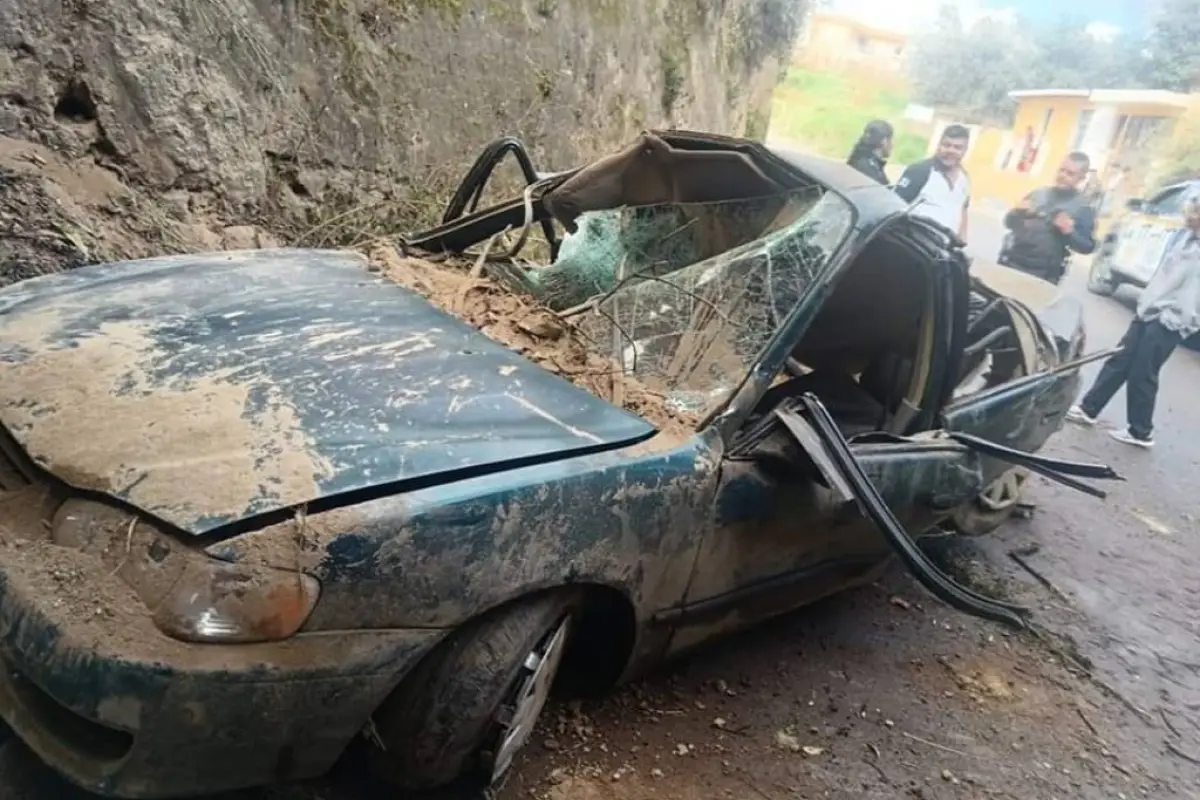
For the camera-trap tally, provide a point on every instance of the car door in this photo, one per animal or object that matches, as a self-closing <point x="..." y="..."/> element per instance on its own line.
<point x="786" y="537"/>
<point x="786" y="528"/>
<point x="789" y="529"/>
<point x="1143" y="236"/>
<point x="785" y="534"/>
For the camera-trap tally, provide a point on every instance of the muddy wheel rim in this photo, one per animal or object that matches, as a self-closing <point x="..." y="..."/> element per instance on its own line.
<point x="518" y="718"/>
<point x="1005" y="492"/>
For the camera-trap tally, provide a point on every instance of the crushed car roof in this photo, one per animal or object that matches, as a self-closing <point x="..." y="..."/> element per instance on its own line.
<point x="873" y="202"/>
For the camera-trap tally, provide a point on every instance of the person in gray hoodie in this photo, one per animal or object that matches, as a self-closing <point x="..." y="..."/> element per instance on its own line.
<point x="1167" y="313"/>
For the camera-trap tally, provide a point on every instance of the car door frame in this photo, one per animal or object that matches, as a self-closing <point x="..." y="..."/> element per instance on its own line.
<point x="961" y="455"/>
<point x="949" y="463"/>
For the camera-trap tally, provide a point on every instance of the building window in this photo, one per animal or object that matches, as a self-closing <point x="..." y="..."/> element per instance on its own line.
<point x="1141" y="131"/>
<point x="862" y="43"/>
<point x="1119" y="132"/>
<point x="1085" y="119"/>
<point x="1031" y="146"/>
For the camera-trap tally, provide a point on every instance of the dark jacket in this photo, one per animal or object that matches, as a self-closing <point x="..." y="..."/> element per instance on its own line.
<point x="1040" y="248"/>
<point x="869" y="164"/>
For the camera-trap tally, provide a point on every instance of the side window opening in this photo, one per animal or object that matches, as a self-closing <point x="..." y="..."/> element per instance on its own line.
<point x="867" y="354"/>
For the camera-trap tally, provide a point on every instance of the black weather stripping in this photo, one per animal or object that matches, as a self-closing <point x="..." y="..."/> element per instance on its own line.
<point x="1053" y="468"/>
<point x="466" y="199"/>
<point x="872" y="504"/>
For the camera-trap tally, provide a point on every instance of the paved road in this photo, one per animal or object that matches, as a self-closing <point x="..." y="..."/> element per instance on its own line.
<point x="1131" y="564"/>
<point x="1137" y="572"/>
<point x="1125" y="573"/>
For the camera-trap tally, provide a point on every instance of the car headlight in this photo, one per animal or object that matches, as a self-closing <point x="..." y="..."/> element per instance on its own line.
<point x="216" y="601"/>
<point x="190" y="595"/>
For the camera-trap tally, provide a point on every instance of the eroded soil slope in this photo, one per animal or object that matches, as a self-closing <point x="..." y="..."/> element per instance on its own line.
<point x="140" y="127"/>
<point x="57" y="213"/>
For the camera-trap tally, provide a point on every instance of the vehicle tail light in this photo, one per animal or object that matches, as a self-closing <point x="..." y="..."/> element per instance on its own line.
<point x="216" y="601"/>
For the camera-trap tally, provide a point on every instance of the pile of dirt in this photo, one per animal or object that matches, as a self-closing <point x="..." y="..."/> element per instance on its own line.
<point x="59" y="212"/>
<point x="537" y="333"/>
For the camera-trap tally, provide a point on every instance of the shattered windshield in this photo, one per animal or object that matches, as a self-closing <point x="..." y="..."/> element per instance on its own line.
<point x="695" y="333"/>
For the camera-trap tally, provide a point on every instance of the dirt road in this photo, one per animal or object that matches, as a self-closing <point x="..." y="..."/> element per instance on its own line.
<point x="886" y="693"/>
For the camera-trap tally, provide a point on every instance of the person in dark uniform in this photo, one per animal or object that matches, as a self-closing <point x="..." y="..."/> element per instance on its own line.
<point x="1052" y="222"/>
<point x="870" y="153"/>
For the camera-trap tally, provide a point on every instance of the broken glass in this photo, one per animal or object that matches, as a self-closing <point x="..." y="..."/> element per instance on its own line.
<point x="647" y="241"/>
<point x="694" y="334"/>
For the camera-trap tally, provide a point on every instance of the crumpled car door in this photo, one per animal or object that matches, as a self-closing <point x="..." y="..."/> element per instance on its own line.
<point x="817" y="432"/>
<point x="785" y="529"/>
<point x="1019" y="415"/>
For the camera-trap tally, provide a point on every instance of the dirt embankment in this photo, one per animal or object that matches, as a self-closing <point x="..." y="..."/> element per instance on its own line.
<point x="136" y="127"/>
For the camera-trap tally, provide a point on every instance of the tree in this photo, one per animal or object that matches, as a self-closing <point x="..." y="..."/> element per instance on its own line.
<point x="970" y="69"/>
<point x="973" y="68"/>
<point x="1066" y="56"/>
<point x="1180" y="158"/>
<point x="1173" y="49"/>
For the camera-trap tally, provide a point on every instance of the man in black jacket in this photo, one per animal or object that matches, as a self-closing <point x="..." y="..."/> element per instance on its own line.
<point x="1052" y="222"/>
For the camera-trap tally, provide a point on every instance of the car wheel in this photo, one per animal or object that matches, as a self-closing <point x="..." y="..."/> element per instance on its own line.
<point x="466" y="710"/>
<point x="1100" y="278"/>
<point x="994" y="506"/>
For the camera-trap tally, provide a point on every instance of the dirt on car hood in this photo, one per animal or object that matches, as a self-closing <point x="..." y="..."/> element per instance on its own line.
<point x="207" y="389"/>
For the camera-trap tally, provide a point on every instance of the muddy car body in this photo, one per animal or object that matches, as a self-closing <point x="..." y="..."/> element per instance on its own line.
<point x="256" y="503"/>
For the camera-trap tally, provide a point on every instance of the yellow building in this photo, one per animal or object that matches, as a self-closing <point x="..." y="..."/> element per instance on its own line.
<point x="837" y="41"/>
<point x="1120" y="130"/>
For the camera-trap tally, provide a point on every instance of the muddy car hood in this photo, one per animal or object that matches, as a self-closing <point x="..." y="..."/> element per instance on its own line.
<point x="207" y="389"/>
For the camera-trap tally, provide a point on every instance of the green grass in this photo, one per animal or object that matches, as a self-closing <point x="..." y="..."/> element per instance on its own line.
<point x="825" y="112"/>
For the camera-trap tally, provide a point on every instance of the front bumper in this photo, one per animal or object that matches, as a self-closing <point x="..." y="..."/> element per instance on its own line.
<point x="92" y="686"/>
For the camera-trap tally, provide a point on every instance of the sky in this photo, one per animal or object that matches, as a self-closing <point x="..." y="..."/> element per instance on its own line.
<point x="1103" y="18"/>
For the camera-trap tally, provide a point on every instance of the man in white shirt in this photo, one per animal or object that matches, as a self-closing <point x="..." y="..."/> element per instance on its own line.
<point x="940" y="186"/>
<point x="1168" y="312"/>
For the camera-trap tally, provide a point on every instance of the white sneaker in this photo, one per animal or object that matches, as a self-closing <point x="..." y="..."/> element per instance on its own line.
<point x="1125" y="437"/>
<point x="1078" y="415"/>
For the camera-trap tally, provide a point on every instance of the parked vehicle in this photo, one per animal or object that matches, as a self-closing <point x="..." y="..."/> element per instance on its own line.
<point x="256" y="504"/>
<point x="1133" y="249"/>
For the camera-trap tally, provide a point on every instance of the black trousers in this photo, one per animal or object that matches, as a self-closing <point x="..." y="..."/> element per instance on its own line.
<point x="1147" y="346"/>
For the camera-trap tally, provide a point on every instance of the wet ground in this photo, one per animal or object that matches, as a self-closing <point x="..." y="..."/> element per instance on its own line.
<point x="886" y="693"/>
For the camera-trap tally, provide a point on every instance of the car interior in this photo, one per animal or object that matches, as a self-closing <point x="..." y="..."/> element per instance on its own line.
<point x="867" y="354"/>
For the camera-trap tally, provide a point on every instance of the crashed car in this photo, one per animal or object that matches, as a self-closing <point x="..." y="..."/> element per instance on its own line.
<point x="260" y="505"/>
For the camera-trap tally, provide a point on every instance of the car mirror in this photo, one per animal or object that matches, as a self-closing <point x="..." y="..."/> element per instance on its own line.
<point x="1135" y="204"/>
